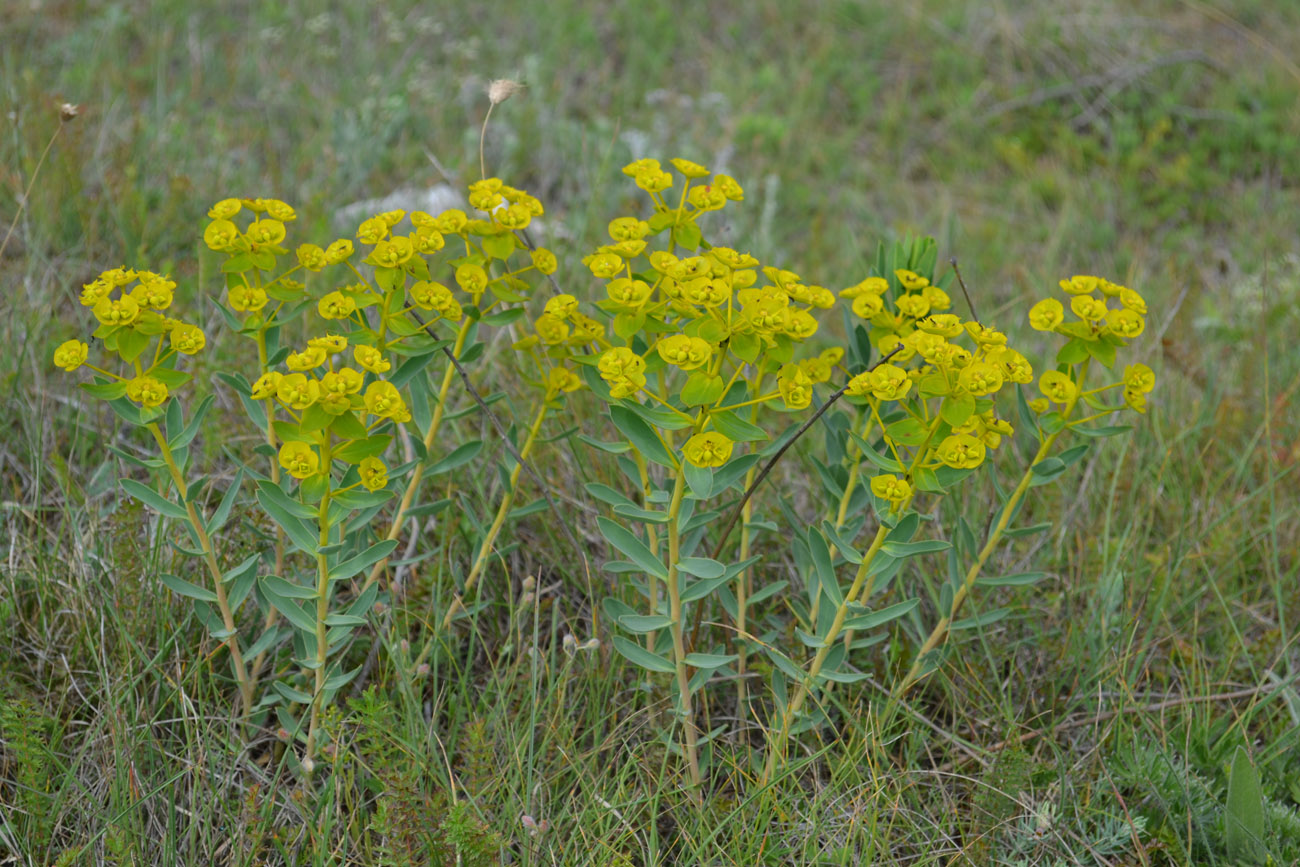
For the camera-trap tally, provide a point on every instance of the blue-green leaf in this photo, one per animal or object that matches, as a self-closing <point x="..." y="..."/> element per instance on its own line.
<point x="185" y="588"/>
<point x="154" y="500"/>
<point x="634" y="548"/>
<point x="638" y="655"/>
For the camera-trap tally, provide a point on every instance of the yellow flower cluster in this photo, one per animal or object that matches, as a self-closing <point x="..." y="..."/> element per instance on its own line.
<point x="700" y="310"/>
<point x="130" y="307"/>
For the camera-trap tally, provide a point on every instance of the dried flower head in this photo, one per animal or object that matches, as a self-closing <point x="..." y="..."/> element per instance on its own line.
<point x="501" y="89"/>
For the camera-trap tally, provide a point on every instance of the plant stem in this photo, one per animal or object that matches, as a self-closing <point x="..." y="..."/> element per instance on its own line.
<point x="271" y="614"/>
<point x="862" y="587"/>
<point x="322" y="607"/>
<point x="412" y="484"/>
<point x="210" y="558"/>
<point x="652" y="540"/>
<point x="679" y="646"/>
<point x="31" y="184"/>
<point x="485" y="551"/>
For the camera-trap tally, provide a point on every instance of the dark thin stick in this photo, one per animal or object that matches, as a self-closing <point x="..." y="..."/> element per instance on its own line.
<point x="969" y="302"/>
<point x="501" y="429"/>
<point x="767" y="468"/>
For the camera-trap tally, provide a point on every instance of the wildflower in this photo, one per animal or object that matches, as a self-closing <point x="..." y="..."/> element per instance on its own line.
<point x="224" y="209"/>
<point x="1125" y="323"/>
<point x="117" y="311"/>
<point x="382" y="399"/>
<point x="310" y="358"/>
<point x="1139" y="378"/>
<point x="942" y="324"/>
<point x="544" y="260"/>
<point x="374" y="475"/>
<point x="220" y="235"/>
<point x="372" y="231"/>
<point x="914" y="306"/>
<point x="501" y="89"/>
<point x="980" y="378"/>
<point x="299" y="459"/>
<point x="1132" y="300"/>
<point x="1079" y="284"/>
<point x="188" y="339"/>
<point x="604" y="265"/>
<point x="1088" y="308"/>
<point x="371" y="359"/>
<point x="561" y="306"/>
<point x="311" y="257"/>
<point x="891" y="488"/>
<point x="961" y="451"/>
<point x="727" y="184"/>
<point x="267" y="385"/>
<point x="690" y="169"/>
<point x="265" y="233"/>
<point x="889" y="382"/>
<point x="709" y="449"/>
<point x="278" y="210"/>
<point x="795" y="386"/>
<point x="551" y="329"/>
<point x="561" y="379"/>
<point x="688" y="353"/>
<point x="472" y="278"/>
<point x="1057" y="387"/>
<point x="910" y="280"/>
<point x="336" y="305"/>
<point x="146" y="391"/>
<point x="296" y="391"/>
<point x="246" y="299"/>
<point x="339" y="251"/>
<point x="71" y="354"/>
<point x="869" y="286"/>
<point x="1046" y="315"/>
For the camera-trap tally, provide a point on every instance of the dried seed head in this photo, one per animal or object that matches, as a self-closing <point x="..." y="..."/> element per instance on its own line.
<point x="68" y="111"/>
<point x="502" y="89"/>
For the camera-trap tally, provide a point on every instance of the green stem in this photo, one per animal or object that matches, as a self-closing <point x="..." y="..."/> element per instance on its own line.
<point x="485" y="551"/>
<point x="413" y="483"/>
<point x="271" y="614"/>
<point x="679" y="646"/>
<point x="210" y="558"/>
<point x="862" y="587"/>
<point x="652" y="540"/>
<point x="322" y="607"/>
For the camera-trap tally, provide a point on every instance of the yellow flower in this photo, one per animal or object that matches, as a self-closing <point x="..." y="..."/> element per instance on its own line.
<point x="427" y="295"/>
<point x="374" y="475"/>
<point x="299" y="460"/>
<point x="188" y="339"/>
<point x="117" y="311"/>
<point x="795" y="386"/>
<point x="1088" y="308"/>
<point x="709" y="449"/>
<point x="627" y="293"/>
<point x="690" y="169"/>
<point x="942" y="324"/>
<point x="339" y="251"/>
<point x="984" y="336"/>
<point x="729" y="187"/>
<point x="371" y="359"/>
<point x="628" y="229"/>
<point x="654" y="180"/>
<point x="220" y="235"/>
<point x="869" y="286"/>
<point x="625" y="385"/>
<point x="605" y="265"/>
<point x="544" y="260"/>
<point x="372" y="231"/>
<point x="311" y="257"/>
<point x="392" y="253"/>
<point x="146" y="391"/>
<point x="706" y="198"/>
<point x="561" y="379"/>
<point x="1135" y="400"/>
<point x="1015" y="367"/>
<point x="94" y="290"/>
<point x="1132" y="300"/>
<point x="889" y="382"/>
<point x="1039" y="405"/>
<point x="620" y="361"/>
<point x="383" y="400"/>
<point x="635" y="167"/>
<point x="427" y="240"/>
<point x="1046" y="315"/>
<point x="891" y="488"/>
<point x="296" y="391"/>
<point x="914" y="306"/>
<point x="980" y="378"/>
<point x="585" y="330"/>
<point x="278" y="210"/>
<point x="451" y="221"/>
<point x="817" y="369"/>
<point x="1126" y="323"/>
<point x="154" y="291"/>
<point x="336" y="305"/>
<point x="1057" y="387"/>
<point x="472" y="278"/>
<point x="266" y="385"/>
<point x="961" y="451"/>
<point x="224" y="209"/>
<point x="1079" y="284"/>
<point x="561" y="306"/>
<point x="1139" y="378"/>
<point x="887" y="344"/>
<point x="911" y="280"/>
<point x="71" y="354"/>
<point x="800" y="324"/>
<point x="309" y="358"/>
<point x="688" y="353"/>
<point x="265" y="232"/>
<point x="938" y="298"/>
<point x="551" y="329"/>
<point x="331" y="343"/>
<point x="246" y="299"/>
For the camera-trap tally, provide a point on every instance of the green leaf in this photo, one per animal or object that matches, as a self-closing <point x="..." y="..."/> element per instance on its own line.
<point x="688" y="236"/>
<point x="294" y="528"/>
<point x="275" y="493"/>
<point x="956" y="410"/>
<point x="344" y="620"/>
<point x="1019" y="579"/>
<point x="846" y="549"/>
<point x="364" y="560"/>
<point x="984" y="618"/>
<point x="909" y="432"/>
<point x="633" y="547"/>
<point x="699" y="589"/>
<point x="237" y="572"/>
<point x="1245" y="819"/>
<point x="292" y="611"/>
<point x="606" y="494"/>
<point x="709" y="661"/>
<point x="699" y="479"/>
<point x="184" y="588"/>
<point x="292" y="694"/>
<point x="736" y="429"/>
<point x="913" y="549"/>
<point x="701" y="567"/>
<point x="1034" y="529"/>
<point x="503" y="317"/>
<point x="643" y="623"/>
<point x="461" y="455"/>
<point x="884" y="462"/>
<point x="104" y="390"/>
<point x="1073" y="352"/>
<point x="702" y="389"/>
<point x="881" y="617"/>
<point x="499" y="246"/>
<point x="641" y="435"/>
<point x="611" y="448"/>
<point x="286" y="588"/>
<point x="154" y="500"/>
<point x="1101" y="432"/>
<point x="358" y="450"/>
<point x="746" y="346"/>
<point x="824" y="567"/>
<point x="1103" y="352"/>
<point x="638" y="655"/>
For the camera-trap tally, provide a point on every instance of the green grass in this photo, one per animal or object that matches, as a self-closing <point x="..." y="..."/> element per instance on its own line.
<point x="1149" y="141"/>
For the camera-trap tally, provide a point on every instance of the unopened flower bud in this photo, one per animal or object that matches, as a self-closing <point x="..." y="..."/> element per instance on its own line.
<point x="422" y="670"/>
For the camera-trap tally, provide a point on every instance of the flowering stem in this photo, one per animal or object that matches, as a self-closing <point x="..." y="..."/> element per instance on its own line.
<point x="679" y="646"/>
<point x="485" y="551"/>
<point x="862" y="587"/>
<point x="210" y="558"/>
<point x="322" y="606"/>
<point x="399" y="517"/>
<point x="652" y="540"/>
<point x="271" y="614"/>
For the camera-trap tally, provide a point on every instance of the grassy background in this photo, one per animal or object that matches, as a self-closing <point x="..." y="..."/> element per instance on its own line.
<point x="1153" y="142"/>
